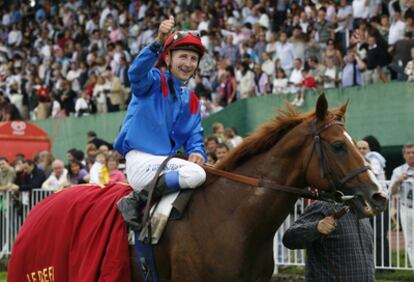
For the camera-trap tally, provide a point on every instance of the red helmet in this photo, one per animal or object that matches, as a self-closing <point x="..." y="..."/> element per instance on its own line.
<point x="183" y="40"/>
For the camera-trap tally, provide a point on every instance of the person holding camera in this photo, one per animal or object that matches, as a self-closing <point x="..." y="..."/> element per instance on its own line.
<point x="405" y="171"/>
<point x="402" y="181"/>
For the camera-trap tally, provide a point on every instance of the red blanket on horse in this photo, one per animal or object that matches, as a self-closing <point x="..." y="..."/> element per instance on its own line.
<point x="91" y="245"/>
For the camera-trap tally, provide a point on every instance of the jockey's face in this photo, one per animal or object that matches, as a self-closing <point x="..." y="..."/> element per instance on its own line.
<point x="182" y="63"/>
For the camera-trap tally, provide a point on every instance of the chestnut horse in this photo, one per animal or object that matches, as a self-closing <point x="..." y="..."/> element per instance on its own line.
<point x="227" y="231"/>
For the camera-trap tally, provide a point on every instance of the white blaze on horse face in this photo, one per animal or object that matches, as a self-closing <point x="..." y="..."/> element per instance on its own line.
<point x="348" y="137"/>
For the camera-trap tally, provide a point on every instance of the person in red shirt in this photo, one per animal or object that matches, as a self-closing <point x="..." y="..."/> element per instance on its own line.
<point x="308" y="84"/>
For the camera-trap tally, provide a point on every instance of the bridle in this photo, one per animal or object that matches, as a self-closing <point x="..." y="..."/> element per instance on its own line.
<point x="326" y="172"/>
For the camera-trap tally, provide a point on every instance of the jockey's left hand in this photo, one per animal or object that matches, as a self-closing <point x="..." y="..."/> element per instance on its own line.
<point x="196" y="158"/>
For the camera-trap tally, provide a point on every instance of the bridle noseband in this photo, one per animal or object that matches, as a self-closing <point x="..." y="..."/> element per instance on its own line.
<point x="325" y="170"/>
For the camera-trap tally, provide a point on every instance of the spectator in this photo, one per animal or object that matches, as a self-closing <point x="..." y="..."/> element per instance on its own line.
<point x="332" y="53"/>
<point x="331" y="75"/>
<point x="118" y="94"/>
<point x="347" y="242"/>
<point x="371" y="149"/>
<point x="403" y="172"/>
<point x="402" y="182"/>
<point x="397" y="28"/>
<point x="231" y="138"/>
<point x="344" y="21"/>
<point x="352" y="72"/>
<point x="77" y="174"/>
<point x="360" y="11"/>
<point x="285" y="53"/>
<point x="93" y="139"/>
<point x="401" y="55"/>
<point x="31" y="177"/>
<point x="83" y="105"/>
<point x="308" y="85"/>
<point x="115" y="174"/>
<point x="211" y="158"/>
<point x="230" y="87"/>
<point x="376" y="62"/>
<point x="74" y="154"/>
<point x="247" y="84"/>
<point x="211" y="144"/>
<point x="45" y="162"/>
<point x="221" y="152"/>
<point x="296" y="80"/>
<point x="280" y="83"/>
<point x="268" y="66"/>
<point x="261" y="81"/>
<point x="323" y="27"/>
<point x="7" y="175"/>
<point x="58" y="178"/>
<point x="99" y="171"/>
<point x="218" y="131"/>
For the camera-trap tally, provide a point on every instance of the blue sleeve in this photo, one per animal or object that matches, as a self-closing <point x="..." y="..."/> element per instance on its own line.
<point x="195" y="143"/>
<point x="142" y="73"/>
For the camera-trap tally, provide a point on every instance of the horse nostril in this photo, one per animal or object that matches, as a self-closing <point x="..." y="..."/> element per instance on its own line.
<point x="380" y="198"/>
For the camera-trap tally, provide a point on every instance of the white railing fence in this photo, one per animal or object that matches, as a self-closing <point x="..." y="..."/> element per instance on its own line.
<point x="393" y="253"/>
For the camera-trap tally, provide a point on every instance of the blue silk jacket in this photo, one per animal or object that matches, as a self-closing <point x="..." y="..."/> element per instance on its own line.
<point x="157" y="122"/>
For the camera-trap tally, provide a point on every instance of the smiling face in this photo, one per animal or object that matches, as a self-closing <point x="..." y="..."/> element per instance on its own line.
<point x="182" y="63"/>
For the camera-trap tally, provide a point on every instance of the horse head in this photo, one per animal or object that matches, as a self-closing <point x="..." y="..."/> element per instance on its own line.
<point x="334" y="164"/>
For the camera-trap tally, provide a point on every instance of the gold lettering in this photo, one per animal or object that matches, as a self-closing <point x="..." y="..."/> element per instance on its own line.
<point x="45" y="275"/>
<point x="51" y="273"/>
<point x="40" y="275"/>
<point x="33" y="276"/>
<point x="28" y="277"/>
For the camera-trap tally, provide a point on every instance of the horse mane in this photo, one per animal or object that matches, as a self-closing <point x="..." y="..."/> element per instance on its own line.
<point x="268" y="134"/>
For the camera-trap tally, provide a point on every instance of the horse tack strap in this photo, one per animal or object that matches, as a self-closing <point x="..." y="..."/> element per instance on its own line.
<point x="269" y="184"/>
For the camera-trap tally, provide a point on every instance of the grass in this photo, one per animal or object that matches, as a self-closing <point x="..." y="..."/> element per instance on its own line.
<point x="397" y="275"/>
<point x="3" y="276"/>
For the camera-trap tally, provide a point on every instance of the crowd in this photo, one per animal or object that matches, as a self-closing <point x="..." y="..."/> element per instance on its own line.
<point x="99" y="163"/>
<point x="71" y="58"/>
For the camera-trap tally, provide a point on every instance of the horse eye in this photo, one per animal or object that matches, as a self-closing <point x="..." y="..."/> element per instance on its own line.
<point x="338" y="146"/>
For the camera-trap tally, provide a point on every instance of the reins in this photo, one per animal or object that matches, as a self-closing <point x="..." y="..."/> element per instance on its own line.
<point x="269" y="184"/>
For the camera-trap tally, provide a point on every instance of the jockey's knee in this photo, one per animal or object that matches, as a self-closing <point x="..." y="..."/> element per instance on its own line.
<point x="191" y="176"/>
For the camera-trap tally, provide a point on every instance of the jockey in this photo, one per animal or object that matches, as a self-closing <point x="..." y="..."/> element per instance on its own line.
<point x="162" y="117"/>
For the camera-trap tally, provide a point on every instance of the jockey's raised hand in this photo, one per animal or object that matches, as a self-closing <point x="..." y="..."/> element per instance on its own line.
<point x="165" y="29"/>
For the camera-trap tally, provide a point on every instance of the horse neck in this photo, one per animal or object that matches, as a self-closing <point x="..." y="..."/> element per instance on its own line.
<point x="264" y="208"/>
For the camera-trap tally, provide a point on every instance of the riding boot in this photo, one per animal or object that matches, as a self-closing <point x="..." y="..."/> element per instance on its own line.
<point x="131" y="208"/>
<point x="132" y="205"/>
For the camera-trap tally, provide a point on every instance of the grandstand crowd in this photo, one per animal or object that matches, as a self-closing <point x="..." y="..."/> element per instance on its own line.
<point x="71" y="58"/>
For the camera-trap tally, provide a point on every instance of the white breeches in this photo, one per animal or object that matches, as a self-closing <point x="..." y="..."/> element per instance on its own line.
<point x="141" y="168"/>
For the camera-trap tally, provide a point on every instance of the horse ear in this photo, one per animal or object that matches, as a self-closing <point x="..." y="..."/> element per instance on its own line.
<point x="342" y="108"/>
<point x="321" y="107"/>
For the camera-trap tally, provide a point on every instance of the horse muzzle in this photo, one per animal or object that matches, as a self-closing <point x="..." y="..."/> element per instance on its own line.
<point x="363" y="207"/>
